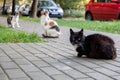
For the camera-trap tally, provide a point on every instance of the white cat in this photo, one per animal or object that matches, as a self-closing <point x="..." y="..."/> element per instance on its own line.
<point x="13" y="20"/>
<point x="50" y="26"/>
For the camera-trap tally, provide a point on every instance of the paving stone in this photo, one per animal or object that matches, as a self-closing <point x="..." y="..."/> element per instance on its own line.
<point x="97" y="61"/>
<point x="15" y="73"/>
<point x="51" y="71"/>
<point x="21" y="79"/>
<point x="86" y="79"/>
<point x="25" y="53"/>
<point x="20" y="49"/>
<point x="30" y="49"/>
<point x="15" y="46"/>
<point x="106" y="71"/>
<point x="15" y="56"/>
<point x="111" y="67"/>
<point x="5" y="59"/>
<point x="64" y="47"/>
<point x="29" y="68"/>
<point x="63" y="53"/>
<point x="40" y="47"/>
<point x="34" y="45"/>
<point x="5" y="47"/>
<point x="9" y="65"/>
<point x="9" y="51"/>
<point x="50" y="60"/>
<point x="41" y="55"/>
<point x="2" y="54"/>
<point x="75" y="74"/>
<point x="3" y="77"/>
<point x="117" y="59"/>
<point x="39" y="76"/>
<point x="116" y="77"/>
<point x="57" y="56"/>
<point x="1" y="71"/>
<point x="47" y="51"/>
<point x="62" y="77"/>
<point x="61" y="66"/>
<point x="113" y="63"/>
<point x="77" y="66"/>
<point x="40" y="63"/>
<point x="99" y="76"/>
<point x="70" y="62"/>
<point x="22" y="61"/>
<point x="61" y="49"/>
<point x="83" y="69"/>
<point x="84" y="62"/>
<point x="32" y="58"/>
<point x="118" y="71"/>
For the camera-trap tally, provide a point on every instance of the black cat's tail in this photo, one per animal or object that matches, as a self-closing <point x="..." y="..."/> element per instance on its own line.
<point x="113" y="52"/>
<point x="109" y="52"/>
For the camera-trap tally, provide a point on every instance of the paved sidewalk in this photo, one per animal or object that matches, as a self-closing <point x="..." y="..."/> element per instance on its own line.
<point x="53" y="60"/>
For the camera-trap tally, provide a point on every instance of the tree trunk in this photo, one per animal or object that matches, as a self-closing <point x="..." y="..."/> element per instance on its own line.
<point x="3" y="11"/>
<point x="13" y="7"/>
<point x="33" y="12"/>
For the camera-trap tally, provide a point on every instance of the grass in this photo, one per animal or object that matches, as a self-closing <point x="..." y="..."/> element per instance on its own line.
<point x="103" y="26"/>
<point x="8" y="35"/>
<point x="29" y="19"/>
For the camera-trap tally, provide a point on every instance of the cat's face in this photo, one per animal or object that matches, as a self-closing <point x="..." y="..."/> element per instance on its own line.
<point x="44" y="13"/>
<point x="76" y="38"/>
<point x="44" y="16"/>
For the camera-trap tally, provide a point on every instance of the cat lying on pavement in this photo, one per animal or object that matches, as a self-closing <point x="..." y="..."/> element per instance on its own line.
<point x="93" y="46"/>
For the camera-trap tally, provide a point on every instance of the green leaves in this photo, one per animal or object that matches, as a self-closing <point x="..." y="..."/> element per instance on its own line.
<point x="73" y="4"/>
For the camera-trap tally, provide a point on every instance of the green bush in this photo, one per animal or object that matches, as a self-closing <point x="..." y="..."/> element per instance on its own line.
<point x="73" y="13"/>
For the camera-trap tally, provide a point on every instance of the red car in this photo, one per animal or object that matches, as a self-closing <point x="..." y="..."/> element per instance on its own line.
<point x="103" y="10"/>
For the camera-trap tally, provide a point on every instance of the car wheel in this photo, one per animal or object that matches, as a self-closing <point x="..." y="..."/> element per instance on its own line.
<point x="119" y="17"/>
<point x="38" y="13"/>
<point x="59" y="17"/>
<point x="88" y="16"/>
<point x="29" y="12"/>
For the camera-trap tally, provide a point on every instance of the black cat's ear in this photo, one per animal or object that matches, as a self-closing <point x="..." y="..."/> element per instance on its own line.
<point x="71" y="31"/>
<point x="81" y="31"/>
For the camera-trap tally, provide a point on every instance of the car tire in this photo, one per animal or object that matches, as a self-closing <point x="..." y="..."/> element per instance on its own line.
<point x="88" y="16"/>
<point x="119" y="17"/>
<point x="39" y="13"/>
<point x="29" y="13"/>
<point x="60" y="17"/>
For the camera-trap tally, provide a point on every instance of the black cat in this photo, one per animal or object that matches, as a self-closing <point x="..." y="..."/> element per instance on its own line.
<point x="93" y="46"/>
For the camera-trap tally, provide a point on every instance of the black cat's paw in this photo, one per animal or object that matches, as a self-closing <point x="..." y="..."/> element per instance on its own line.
<point x="79" y="55"/>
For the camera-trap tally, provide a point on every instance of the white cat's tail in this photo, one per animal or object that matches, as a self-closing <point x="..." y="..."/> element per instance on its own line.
<point x="59" y="33"/>
<point x="45" y="36"/>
